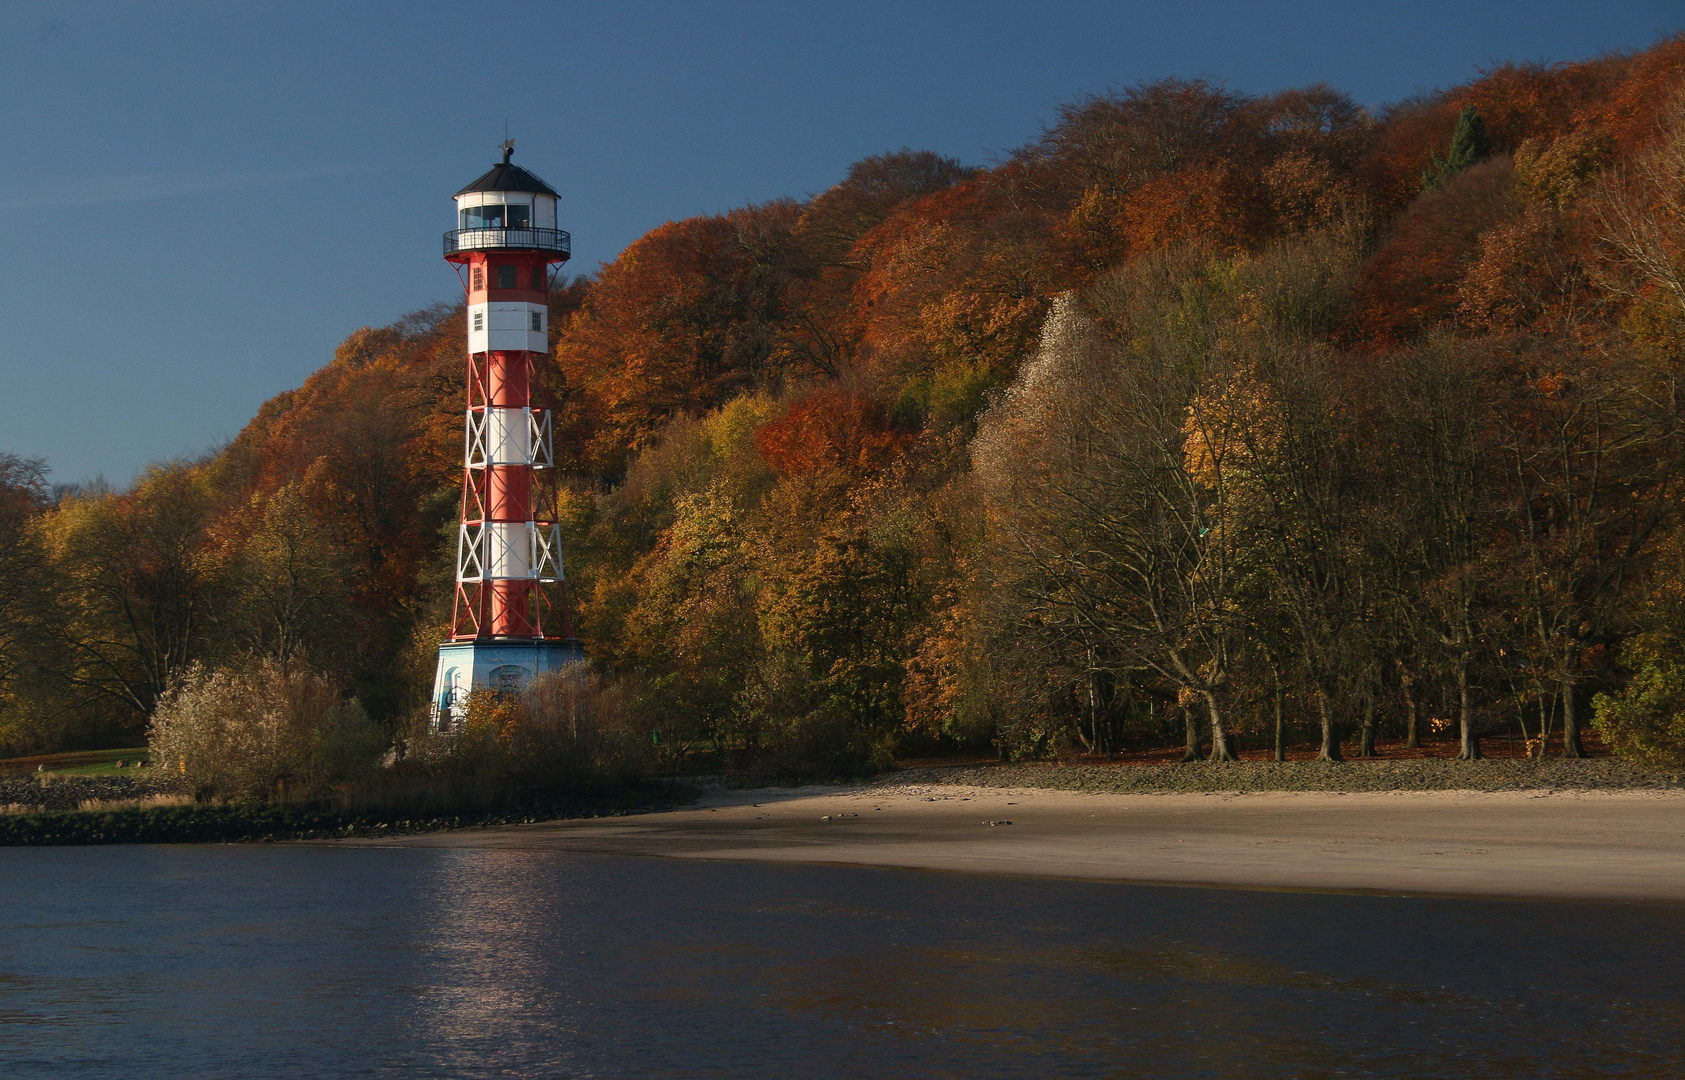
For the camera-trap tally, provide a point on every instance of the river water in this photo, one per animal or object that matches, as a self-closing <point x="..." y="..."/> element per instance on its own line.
<point x="318" y="961"/>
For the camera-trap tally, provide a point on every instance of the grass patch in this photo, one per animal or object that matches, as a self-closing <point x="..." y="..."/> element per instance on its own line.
<point x="156" y="801"/>
<point x="262" y="822"/>
<point x="77" y="763"/>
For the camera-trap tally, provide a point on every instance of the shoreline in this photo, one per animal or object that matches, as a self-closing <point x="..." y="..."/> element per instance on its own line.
<point x="1565" y="845"/>
<point x="170" y="819"/>
<point x="1599" y="829"/>
<point x="1349" y="776"/>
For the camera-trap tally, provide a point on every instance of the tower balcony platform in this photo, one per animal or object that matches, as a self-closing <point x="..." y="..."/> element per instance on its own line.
<point x="458" y="241"/>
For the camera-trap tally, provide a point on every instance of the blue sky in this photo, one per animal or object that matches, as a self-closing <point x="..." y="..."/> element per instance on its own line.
<point x="198" y="201"/>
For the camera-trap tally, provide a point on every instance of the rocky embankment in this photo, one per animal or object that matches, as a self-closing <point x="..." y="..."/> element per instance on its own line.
<point x="60" y="792"/>
<point x="1596" y="774"/>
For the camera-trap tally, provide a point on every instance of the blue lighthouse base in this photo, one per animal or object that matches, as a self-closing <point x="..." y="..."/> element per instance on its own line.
<point x="506" y="665"/>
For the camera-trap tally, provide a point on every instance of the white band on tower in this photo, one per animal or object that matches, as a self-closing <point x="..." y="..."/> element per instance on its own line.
<point x="508" y="327"/>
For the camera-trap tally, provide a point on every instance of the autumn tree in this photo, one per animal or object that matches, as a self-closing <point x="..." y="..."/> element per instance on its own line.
<point x="828" y="429"/>
<point x="1443" y="509"/>
<point x="688" y="316"/>
<point x="837" y="217"/>
<point x="1305" y="515"/>
<point x="1639" y="216"/>
<point x="143" y="584"/>
<point x="26" y="605"/>
<point x="293" y="581"/>
<point x="1412" y="281"/>
<point x="954" y="292"/>
<point x="1107" y="470"/>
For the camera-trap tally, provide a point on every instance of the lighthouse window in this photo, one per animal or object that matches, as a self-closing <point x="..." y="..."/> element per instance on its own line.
<point x="538" y="321"/>
<point x="482" y="217"/>
<point x="516" y="216"/>
<point x="538" y="278"/>
<point x="506" y="277"/>
<point x="479" y="279"/>
<point x="479" y="320"/>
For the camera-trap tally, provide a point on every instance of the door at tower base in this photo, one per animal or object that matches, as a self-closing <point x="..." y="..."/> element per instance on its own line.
<point x="497" y="665"/>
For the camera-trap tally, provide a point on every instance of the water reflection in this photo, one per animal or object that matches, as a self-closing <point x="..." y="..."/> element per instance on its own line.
<point x="329" y="962"/>
<point x="494" y="936"/>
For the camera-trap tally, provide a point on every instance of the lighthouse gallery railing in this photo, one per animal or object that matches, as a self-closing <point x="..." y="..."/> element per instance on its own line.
<point x="526" y="239"/>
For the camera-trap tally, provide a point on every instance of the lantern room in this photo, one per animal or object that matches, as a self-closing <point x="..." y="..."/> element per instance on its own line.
<point x="507" y="208"/>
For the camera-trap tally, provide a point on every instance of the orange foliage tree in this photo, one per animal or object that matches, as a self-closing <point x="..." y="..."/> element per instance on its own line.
<point x="829" y="428"/>
<point x="687" y="316"/>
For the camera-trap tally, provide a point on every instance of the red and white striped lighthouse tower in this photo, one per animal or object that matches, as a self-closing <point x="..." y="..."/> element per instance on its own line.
<point x="506" y="627"/>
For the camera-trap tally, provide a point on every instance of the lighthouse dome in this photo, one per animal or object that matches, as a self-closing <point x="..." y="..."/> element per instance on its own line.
<point x="505" y="176"/>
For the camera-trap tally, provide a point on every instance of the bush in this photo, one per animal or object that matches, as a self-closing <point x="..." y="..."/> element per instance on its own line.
<point x="582" y="721"/>
<point x="261" y="732"/>
<point x="803" y="732"/>
<point x="1646" y="721"/>
<point x="568" y="731"/>
<point x="824" y="743"/>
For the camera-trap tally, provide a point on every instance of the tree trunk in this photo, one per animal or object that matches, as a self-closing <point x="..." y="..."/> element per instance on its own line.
<point x="1412" y="734"/>
<point x="1094" y="706"/>
<point x="1220" y="750"/>
<point x="1547" y="723"/>
<point x="1280" y="728"/>
<point x="1470" y="750"/>
<point x="1366" y="748"/>
<point x="1192" y="753"/>
<point x="1330" y="737"/>
<point x="1570" y="723"/>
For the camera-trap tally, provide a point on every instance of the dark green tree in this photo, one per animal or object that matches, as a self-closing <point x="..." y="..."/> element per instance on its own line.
<point x="1469" y="146"/>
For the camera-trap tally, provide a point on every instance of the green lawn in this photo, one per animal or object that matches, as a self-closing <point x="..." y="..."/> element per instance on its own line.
<point x="80" y="763"/>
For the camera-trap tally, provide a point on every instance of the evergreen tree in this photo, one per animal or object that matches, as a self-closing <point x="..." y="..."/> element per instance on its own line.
<point x="1469" y="146"/>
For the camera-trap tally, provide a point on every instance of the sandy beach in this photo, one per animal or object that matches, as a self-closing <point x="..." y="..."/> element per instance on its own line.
<point x="1588" y="845"/>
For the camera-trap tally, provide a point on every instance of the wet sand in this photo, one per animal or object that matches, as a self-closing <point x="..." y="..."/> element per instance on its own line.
<point x="1566" y="845"/>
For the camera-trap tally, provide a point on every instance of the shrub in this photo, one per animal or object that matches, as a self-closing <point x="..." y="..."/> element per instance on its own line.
<point x="567" y="731"/>
<point x="581" y="721"/>
<point x="261" y="731"/>
<point x="1646" y="721"/>
<point x="822" y="743"/>
<point x="803" y="732"/>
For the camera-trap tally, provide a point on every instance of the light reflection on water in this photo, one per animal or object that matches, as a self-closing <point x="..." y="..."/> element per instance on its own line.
<point x="493" y="951"/>
<point x="322" y="961"/>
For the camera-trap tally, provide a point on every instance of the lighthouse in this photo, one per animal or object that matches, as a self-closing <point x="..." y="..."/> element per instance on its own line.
<point x="509" y="621"/>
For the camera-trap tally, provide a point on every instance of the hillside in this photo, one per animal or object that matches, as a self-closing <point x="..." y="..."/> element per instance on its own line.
<point x="1202" y="416"/>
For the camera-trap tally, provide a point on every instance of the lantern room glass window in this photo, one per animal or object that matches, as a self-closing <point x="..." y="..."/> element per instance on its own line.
<point x="512" y="216"/>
